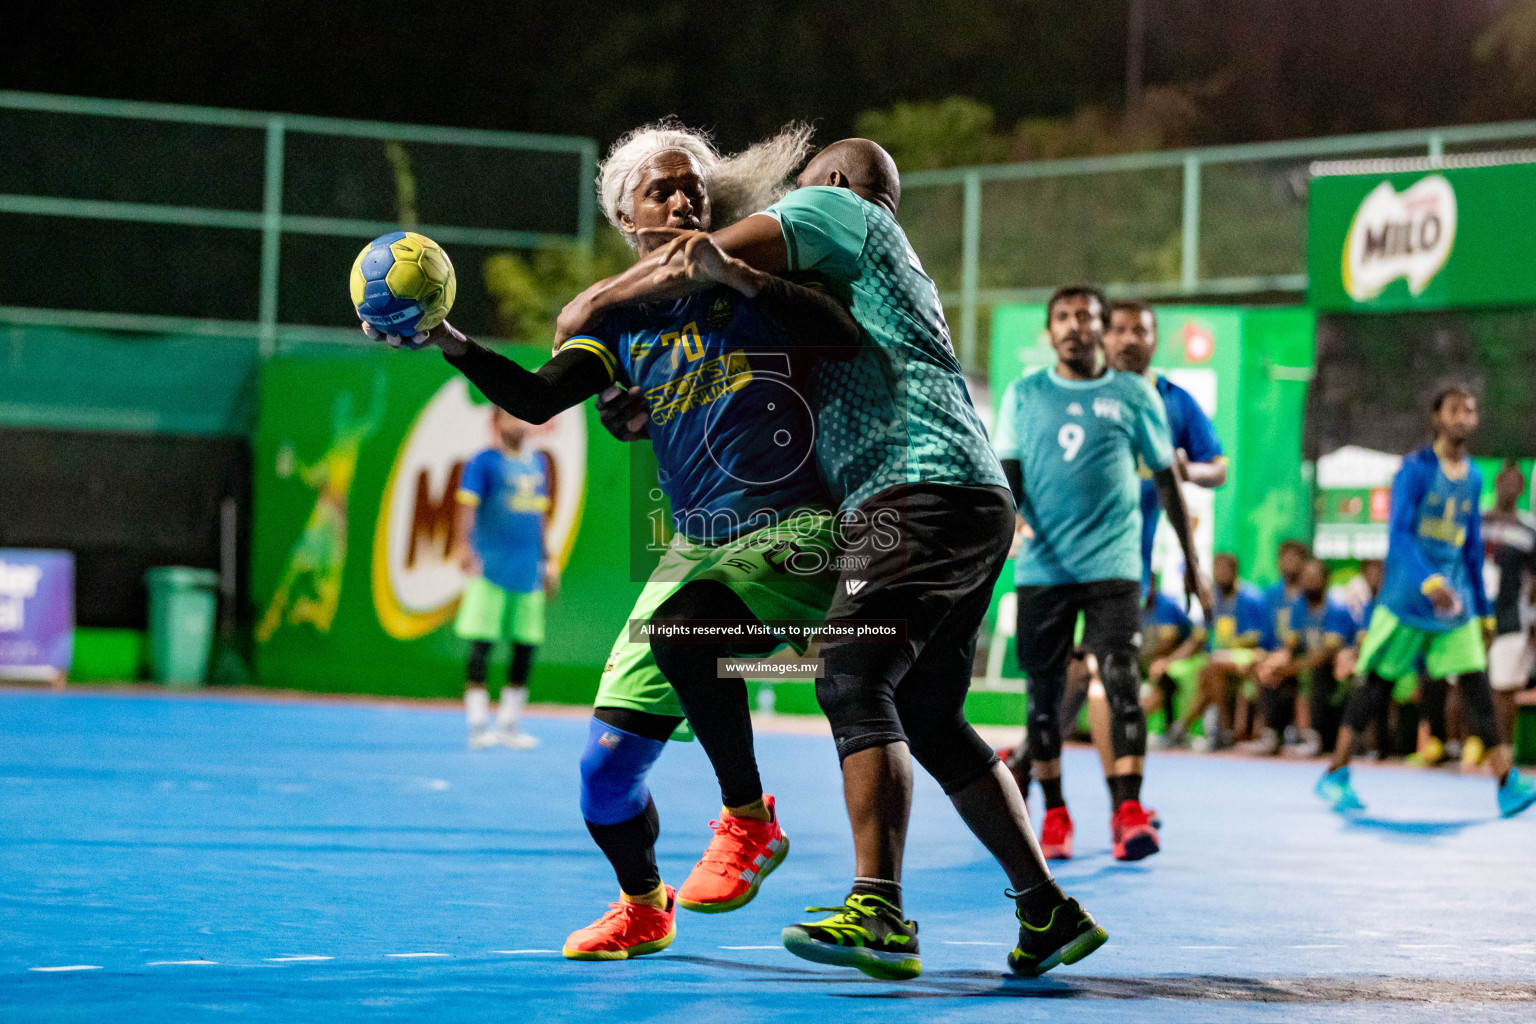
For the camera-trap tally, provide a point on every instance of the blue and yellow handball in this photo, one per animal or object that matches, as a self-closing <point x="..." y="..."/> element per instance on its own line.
<point x="403" y="283"/>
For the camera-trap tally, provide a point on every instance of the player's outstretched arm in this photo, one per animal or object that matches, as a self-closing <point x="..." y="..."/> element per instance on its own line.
<point x="570" y="378"/>
<point x="1195" y="587"/>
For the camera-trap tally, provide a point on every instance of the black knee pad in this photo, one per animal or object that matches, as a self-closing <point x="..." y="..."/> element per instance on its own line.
<point x="1477" y="700"/>
<point x="858" y="695"/>
<point x="1042" y="733"/>
<point x="1122" y="685"/>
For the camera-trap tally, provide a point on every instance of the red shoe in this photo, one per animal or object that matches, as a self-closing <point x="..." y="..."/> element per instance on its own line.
<point x="1134" y="834"/>
<point x="627" y="930"/>
<point x="1056" y="834"/>
<point x="743" y="853"/>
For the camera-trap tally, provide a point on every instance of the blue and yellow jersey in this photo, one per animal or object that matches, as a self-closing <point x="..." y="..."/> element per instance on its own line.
<point x="1189" y="428"/>
<point x="733" y="433"/>
<point x="898" y="411"/>
<point x="1078" y="443"/>
<point x="510" y="496"/>
<point x="1434" y="532"/>
<point x="1242" y="618"/>
<point x="1164" y="623"/>
<point x="1311" y="627"/>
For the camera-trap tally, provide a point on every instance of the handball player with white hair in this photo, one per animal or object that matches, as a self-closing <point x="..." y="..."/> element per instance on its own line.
<point x="716" y="368"/>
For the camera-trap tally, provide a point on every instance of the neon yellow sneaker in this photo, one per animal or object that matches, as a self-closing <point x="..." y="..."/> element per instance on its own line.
<point x="866" y="932"/>
<point x="1066" y="935"/>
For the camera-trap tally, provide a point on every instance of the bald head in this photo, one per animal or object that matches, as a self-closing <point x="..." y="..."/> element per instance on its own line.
<point x="860" y="166"/>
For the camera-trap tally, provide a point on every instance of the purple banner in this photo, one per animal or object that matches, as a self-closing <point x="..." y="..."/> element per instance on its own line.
<point x="37" y="612"/>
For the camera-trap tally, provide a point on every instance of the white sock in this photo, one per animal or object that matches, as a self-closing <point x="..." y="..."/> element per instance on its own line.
<point x="477" y="707"/>
<point x="513" y="700"/>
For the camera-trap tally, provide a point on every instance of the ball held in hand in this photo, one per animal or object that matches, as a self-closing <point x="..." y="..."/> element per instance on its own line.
<point x="402" y="283"/>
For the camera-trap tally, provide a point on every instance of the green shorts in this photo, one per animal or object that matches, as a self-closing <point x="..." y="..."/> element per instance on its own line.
<point x="494" y="614"/>
<point x="757" y="567"/>
<point x="1392" y="650"/>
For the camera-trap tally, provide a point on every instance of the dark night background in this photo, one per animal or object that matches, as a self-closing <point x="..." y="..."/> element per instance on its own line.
<point x="1244" y="69"/>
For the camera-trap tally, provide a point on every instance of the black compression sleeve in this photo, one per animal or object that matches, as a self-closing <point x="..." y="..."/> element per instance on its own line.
<point x="812" y="314"/>
<point x="570" y="378"/>
<point x="1013" y="469"/>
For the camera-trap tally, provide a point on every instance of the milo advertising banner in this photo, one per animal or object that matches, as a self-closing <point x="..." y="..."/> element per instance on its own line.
<point x="1423" y="239"/>
<point x="358" y="456"/>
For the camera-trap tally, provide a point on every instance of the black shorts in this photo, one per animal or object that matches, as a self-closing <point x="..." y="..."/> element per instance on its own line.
<point x="915" y="552"/>
<point x="924" y="559"/>
<point x="1111" y="612"/>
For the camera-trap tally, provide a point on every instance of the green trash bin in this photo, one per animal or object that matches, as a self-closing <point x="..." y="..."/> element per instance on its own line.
<point x="183" y="603"/>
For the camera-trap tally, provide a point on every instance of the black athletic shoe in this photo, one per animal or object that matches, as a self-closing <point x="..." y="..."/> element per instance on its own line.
<point x="1067" y="934"/>
<point x="866" y="932"/>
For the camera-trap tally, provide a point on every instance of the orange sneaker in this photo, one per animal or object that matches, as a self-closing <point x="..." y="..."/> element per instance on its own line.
<point x="1134" y="834"/>
<point x="627" y="930"/>
<point x="743" y="853"/>
<point x="1056" y="834"/>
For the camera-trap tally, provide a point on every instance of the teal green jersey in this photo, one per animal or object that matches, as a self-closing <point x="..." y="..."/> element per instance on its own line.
<point x="897" y="412"/>
<point x="1078" y="443"/>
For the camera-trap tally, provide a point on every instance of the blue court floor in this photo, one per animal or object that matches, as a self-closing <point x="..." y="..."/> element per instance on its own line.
<point x="167" y="859"/>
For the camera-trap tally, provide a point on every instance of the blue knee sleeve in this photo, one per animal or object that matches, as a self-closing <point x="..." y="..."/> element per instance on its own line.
<point x="613" y="771"/>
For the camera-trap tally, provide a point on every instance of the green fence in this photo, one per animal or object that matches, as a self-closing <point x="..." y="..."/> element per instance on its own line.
<point x="1202" y="223"/>
<point x="196" y="221"/>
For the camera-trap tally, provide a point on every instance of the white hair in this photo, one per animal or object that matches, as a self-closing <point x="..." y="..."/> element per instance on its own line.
<point x="738" y="186"/>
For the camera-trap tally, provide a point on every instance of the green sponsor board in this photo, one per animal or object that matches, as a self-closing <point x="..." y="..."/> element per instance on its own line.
<point x="357" y="459"/>
<point x="1422" y="239"/>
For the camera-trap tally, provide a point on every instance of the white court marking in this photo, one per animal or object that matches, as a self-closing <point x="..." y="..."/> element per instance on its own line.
<point x="67" y="967"/>
<point x="178" y="963"/>
<point x="1425" y="945"/>
<point x="753" y="947"/>
<point x="296" y="959"/>
<point x="1325" y="945"/>
<point x="1207" y="947"/>
<point x="415" y="956"/>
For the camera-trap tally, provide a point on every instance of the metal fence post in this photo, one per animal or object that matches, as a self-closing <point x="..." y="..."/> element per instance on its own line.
<point x="1436" y="146"/>
<point x="1190" y="276"/>
<point x="970" y="269"/>
<point x="271" y="236"/>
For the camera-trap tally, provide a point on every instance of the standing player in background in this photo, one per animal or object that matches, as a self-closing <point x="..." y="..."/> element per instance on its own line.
<point x="1130" y="342"/>
<point x="1432" y="602"/>
<point x="924" y="509"/>
<point x="1317" y="632"/>
<point x="1070" y="438"/>
<point x="503" y="507"/>
<point x="1241" y="620"/>
<point x="1511" y="572"/>
<point x="1279" y="598"/>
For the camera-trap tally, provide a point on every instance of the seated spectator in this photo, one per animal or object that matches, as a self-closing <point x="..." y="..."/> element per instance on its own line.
<point x="1315" y="630"/>
<point x="1240" y="622"/>
<point x="1168" y="636"/>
